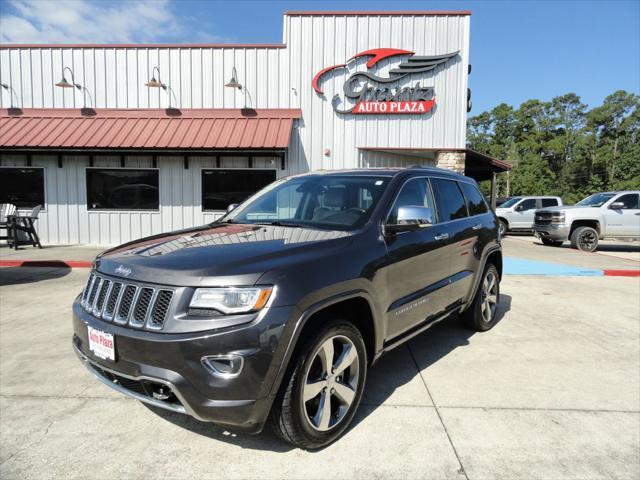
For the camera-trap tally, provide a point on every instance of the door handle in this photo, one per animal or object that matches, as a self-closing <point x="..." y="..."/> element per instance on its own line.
<point x="637" y="213"/>
<point x="442" y="236"/>
<point x="477" y="227"/>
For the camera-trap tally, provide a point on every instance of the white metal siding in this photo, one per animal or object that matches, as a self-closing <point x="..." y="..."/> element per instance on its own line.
<point x="274" y="77"/>
<point x="66" y="219"/>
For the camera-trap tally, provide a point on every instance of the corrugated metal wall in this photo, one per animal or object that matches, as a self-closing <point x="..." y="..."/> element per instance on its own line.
<point x="274" y="77"/>
<point x="66" y="219"/>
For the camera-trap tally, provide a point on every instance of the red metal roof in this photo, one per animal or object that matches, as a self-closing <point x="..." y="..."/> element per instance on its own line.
<point x="146" y="129"/>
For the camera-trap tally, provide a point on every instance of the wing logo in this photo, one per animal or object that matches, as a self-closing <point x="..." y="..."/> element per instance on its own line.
<point x="372" y="93"/>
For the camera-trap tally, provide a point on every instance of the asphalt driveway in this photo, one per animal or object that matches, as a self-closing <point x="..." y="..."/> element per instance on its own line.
<point x="553" y="391"/>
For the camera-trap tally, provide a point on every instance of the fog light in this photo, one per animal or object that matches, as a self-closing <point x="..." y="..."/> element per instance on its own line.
<point x="225" y="366"/>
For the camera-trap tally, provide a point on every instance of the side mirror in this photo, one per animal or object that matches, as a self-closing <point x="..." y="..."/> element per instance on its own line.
<point x="617" y="206"/>
<point x="411" y="218"/>
<point x="519" y="208"/>
<point x="231" y="206"/>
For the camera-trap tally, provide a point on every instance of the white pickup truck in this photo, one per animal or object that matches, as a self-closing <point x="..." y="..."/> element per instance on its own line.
<point x="602" y="215"/>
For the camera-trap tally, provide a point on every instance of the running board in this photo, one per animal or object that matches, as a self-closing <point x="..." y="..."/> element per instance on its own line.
<point x="418" y="330"/>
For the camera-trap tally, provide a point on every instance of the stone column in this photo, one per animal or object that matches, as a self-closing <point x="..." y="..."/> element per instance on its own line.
<point x="451" y="161"/>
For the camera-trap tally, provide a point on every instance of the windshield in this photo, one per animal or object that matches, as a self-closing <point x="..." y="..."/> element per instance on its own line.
<point x="596" y="200"/>
<point x="316" y="201"/>
<point x="510" y="203"/>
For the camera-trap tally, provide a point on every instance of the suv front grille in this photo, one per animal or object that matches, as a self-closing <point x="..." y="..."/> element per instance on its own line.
<point x="139" y="306"/>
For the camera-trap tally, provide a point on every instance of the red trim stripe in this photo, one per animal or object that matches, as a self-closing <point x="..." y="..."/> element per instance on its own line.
<point x="46" y="263"/>
<point x="622" y="273"/>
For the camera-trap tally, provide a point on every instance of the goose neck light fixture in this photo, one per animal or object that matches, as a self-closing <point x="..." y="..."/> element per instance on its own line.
<point x="65" y="84"/>
<point x="153" y="83"/>
<point x="12" y="92"/>
<point x="233" y="83"/>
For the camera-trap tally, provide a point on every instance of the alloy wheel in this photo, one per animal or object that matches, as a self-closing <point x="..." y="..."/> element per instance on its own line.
<point x="489" y="296"/>
<point x="587" y="240"/>
<point x="331" y="381"/>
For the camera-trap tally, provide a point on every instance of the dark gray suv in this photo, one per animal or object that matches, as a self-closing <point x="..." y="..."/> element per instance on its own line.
<point x="276" y="311"/>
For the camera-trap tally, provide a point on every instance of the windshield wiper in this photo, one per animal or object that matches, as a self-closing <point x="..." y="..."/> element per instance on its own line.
<point x="279" y="223"/>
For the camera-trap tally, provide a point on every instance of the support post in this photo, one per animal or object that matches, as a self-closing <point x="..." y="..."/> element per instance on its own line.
<point x="494" y="192"/>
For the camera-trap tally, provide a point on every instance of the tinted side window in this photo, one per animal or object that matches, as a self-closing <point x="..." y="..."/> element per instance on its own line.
<point x="549" y="202"/>
<point x="22" y="187"/>
<point x="449" y="200"/>
<point x="630" y="201"/>
<point x="475" y="200"/>
<point x="414" y="193"/>
<point x="122" y="189"/>
<point x="527" y="204"/>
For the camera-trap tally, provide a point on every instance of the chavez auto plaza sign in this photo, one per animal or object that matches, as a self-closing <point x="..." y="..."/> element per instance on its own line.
<point x="373" y="94"/>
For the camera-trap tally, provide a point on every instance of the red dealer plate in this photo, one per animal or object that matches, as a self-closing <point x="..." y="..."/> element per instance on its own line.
<point x="101" y="343"/>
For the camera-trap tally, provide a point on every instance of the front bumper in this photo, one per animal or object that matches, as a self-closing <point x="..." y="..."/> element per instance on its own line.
<point x="555" y="232"/>
<point x="146" y="361"/>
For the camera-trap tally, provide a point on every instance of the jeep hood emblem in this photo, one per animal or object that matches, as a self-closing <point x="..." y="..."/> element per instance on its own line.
<point x="124" y="271"/>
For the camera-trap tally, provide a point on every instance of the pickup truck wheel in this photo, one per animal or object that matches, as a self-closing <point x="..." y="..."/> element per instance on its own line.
<point x="551" y="243"/>
<point x="481" y="315"/>
<point x="321" y="394"/>
<point x="585" y="239"/>
<point x="503" y="228"/>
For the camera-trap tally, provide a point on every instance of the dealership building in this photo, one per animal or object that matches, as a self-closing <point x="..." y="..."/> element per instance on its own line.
<point x="117" y="142"/>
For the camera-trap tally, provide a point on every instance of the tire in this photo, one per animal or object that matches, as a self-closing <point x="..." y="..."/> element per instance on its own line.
<point x="551" y="243"/>
<point x="584" y="239"/>
<point x="503" y="228"/>
<point x="306" y="424"/>
<point x="476" y="316"/>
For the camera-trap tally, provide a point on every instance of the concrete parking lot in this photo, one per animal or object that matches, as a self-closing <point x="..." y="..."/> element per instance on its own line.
<point x="553" y="391"/>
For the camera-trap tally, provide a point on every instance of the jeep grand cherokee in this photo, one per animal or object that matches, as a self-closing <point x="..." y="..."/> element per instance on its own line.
<point x="276" y="311"/>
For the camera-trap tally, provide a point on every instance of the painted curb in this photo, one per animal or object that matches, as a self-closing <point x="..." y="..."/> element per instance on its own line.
<point x="46" y="263"/>
<point x="622" y="273"/>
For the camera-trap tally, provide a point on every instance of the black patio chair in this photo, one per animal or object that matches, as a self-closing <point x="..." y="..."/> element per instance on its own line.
<point x="25" y="223"/>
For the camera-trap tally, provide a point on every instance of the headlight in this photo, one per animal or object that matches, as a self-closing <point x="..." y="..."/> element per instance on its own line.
<point x="231" y="299"/>
<point x="558" y="219"/>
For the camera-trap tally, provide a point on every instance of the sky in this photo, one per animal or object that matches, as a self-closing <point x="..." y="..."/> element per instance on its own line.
<point x="519" y="49"/>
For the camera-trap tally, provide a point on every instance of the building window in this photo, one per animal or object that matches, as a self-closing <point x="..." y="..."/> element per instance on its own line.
<point x="122" y="189"/>
<point x="22" y="187"/>
<point x="221" y="188"/>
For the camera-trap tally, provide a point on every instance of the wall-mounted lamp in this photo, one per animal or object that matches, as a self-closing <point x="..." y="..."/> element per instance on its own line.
<point x="153" y="83"/>
<point x="12" y="92"/>
<point x="65" y="84"/>
<point x="233" y="83"/>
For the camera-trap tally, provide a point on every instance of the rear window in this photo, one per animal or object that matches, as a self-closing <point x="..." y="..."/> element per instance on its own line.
<point x="449" y="200"/>
<point x="475" y="200"/>
<point x="549" y="202"/>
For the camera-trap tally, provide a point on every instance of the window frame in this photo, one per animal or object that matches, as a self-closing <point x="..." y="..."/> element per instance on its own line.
<point x="202" y="169"/>
<point x="44" y="183"/>
<point x="549" y="198"/>
<point x="535" y="200"/>
<point x="618" y="197"/>
<point x="466" y="200"/>
<point x="385" y="218"/>
<point x="119" y="210"/>
<point x="456" y="181"/>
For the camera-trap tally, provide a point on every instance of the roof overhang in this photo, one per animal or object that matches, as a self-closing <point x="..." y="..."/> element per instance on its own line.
<point x="477" y="165"/>
<point x="147" y="130"/>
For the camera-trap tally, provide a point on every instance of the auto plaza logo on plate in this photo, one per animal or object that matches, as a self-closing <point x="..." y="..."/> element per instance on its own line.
<point x="374" y="94"/>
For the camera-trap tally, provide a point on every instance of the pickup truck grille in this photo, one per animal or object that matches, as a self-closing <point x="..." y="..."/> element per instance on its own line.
<point x="125" y="303"/>
<point x="543" y="218"/>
